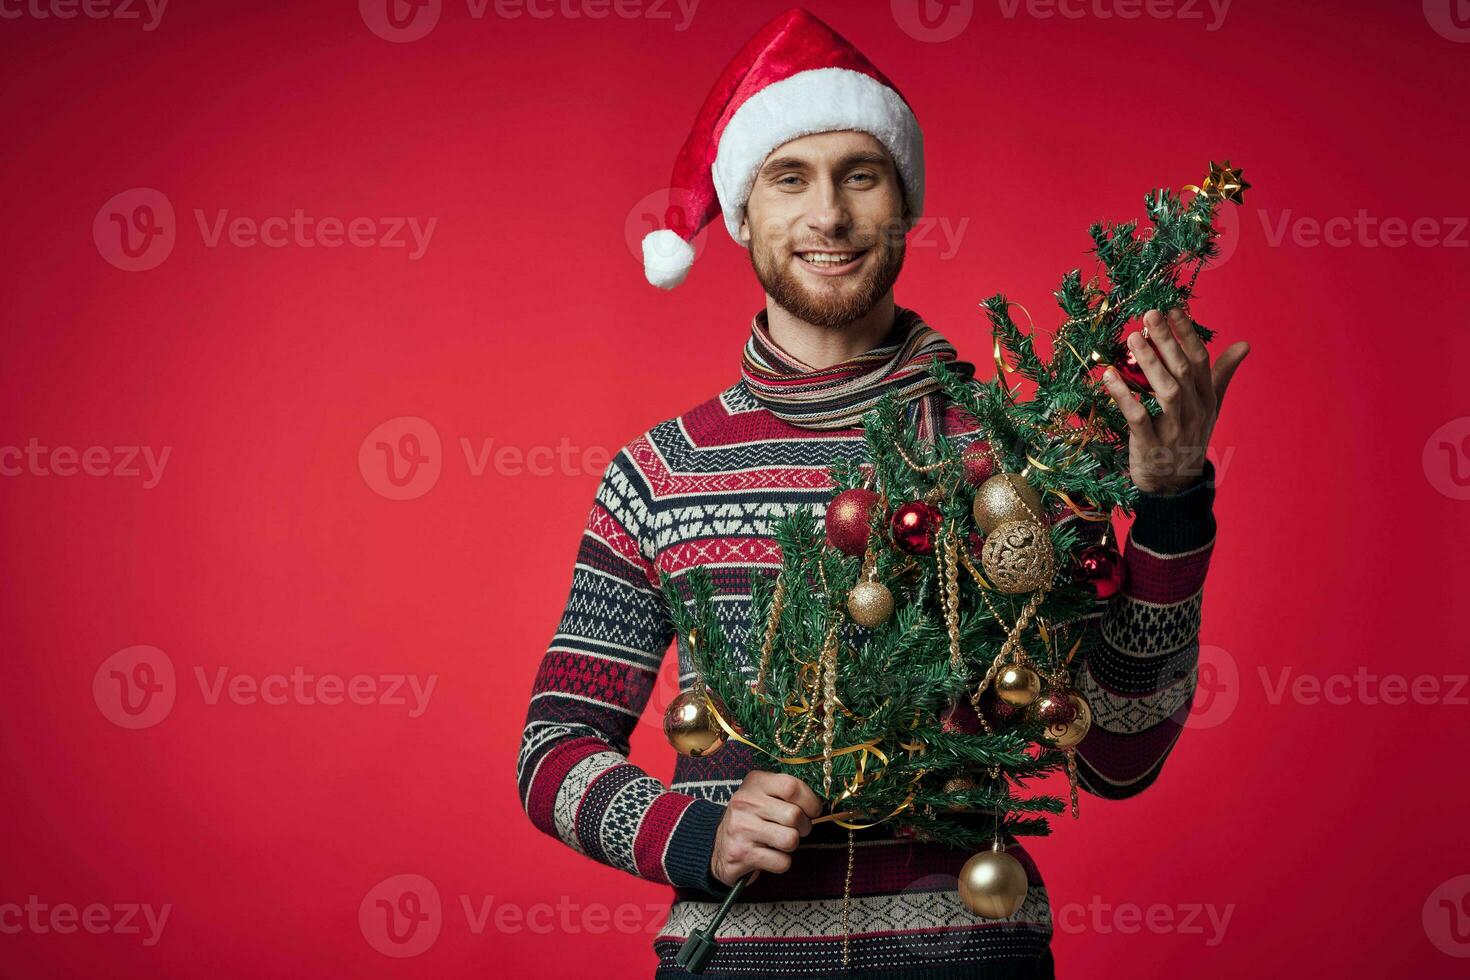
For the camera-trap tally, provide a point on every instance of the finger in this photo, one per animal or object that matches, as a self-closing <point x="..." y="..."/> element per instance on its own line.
<point x="766" y="859"/>
<point x="793" y="789"/>
<point x="1165" y="387"/>
<point x="1195" y="352"/>
<point x="779" y="811"/>
<point x="1166" y="345"/>
<point x="1140" y="425"/>
<point x="776" y="835"/>
<point x="1225" y="366"/>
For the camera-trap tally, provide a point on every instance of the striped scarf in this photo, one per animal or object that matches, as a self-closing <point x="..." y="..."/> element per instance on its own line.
<point x="837" y="397"/>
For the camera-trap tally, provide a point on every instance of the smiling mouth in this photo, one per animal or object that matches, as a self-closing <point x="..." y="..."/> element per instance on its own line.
<point x="832" y="263"/>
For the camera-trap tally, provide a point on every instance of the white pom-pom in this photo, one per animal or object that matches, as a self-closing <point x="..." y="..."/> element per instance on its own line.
<point x="667" y="258"/>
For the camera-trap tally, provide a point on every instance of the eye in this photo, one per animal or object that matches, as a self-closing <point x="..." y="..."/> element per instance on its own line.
<point x="862" y="176"/>
<point x="785" y="180"/>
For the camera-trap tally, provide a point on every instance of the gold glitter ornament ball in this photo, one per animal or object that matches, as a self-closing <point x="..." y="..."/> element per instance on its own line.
<point x="958" y="784"/>
<point x="1017" y="557"/>
<point x="690" y="727"/>
<point x="993" y="884"/>
<point x="870" y="604"/>
<point x="1066" y="735"/>
<point x="1017" y="685"/>
<point x="1003" y="498"/>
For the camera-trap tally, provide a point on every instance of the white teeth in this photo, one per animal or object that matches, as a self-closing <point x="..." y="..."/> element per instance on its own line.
<point x="819" y="258"/>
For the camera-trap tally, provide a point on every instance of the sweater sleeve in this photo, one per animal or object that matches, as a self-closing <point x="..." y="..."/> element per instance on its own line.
<point x="574" y="778"/>
<point x="1141" y="667"/>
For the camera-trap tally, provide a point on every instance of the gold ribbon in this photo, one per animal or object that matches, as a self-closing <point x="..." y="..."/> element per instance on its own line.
<point x="868" y="748"/>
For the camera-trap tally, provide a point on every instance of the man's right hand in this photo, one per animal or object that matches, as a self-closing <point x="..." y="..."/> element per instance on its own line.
<point x="764" y="822"/>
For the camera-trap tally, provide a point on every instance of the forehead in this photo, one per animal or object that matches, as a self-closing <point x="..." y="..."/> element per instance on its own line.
<point x="817" y="149"/>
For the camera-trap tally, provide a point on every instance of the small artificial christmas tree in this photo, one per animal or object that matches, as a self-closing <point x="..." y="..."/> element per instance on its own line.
<point x="911" y="660"/>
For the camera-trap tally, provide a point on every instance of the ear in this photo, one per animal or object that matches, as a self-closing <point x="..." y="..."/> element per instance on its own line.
<point x="745" y="226"/>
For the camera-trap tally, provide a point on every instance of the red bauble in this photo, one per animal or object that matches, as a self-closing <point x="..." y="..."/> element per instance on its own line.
<point x="1100" y="566"/>
<point x="1130" y="370"/>
<point x="976" y="542"/>
<point x="1055" y="707"/>
<point x="999" y="713"/>
<point x="959" y="718"/>
<point x="979" y="466"/>
<point x="848" y="518"/>
<point x="914" y="526"/>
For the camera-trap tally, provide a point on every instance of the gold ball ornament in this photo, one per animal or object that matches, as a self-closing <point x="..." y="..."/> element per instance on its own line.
<point x="1003" y="498"/>
<point x="1017" y="557"/>
<point x="1066" y="735"/>
<point x="690" y="726"/>
<point x="1018" y="685"/>
<point x="993" y="884"/>
<point x="958" y="784"/>
<point x="870" y="604"/>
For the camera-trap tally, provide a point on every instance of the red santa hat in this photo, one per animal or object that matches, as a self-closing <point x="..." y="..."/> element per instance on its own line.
<point x="795" y="77"/>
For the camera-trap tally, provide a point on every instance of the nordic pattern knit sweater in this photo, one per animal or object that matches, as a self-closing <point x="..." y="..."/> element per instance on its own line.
<point x="705" y="489"/>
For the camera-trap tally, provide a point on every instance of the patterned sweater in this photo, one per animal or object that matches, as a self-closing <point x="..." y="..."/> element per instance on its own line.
<point x="705" y="489"/>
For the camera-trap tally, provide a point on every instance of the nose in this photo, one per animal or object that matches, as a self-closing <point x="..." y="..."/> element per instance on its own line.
<point x="829" y="216"/>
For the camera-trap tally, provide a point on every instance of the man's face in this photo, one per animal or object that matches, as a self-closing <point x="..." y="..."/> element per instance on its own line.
<point x="825" y="226"/>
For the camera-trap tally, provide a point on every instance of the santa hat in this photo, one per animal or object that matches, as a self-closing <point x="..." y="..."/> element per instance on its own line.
<point x="795" y="77"/>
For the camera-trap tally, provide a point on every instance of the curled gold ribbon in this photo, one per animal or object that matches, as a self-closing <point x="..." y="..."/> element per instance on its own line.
<point x="868" y="748"/>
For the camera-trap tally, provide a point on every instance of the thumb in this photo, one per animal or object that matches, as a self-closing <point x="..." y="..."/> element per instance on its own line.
<point x="1224" y="369"/>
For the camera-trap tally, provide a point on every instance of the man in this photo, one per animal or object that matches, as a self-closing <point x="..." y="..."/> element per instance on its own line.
<point x="815" y="163"/>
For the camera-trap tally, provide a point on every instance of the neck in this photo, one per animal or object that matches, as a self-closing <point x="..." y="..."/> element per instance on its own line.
<point x="822" y="347"/>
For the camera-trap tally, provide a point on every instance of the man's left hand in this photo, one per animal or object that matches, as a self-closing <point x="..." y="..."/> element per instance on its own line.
<point x="1166" y="452"/>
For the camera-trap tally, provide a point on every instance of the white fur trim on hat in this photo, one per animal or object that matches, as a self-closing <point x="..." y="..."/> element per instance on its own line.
<point x="667" y="258"/>
<point x="821" y="100"/>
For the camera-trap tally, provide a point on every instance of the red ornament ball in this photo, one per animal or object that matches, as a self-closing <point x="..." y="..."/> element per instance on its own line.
<point x="914" y="526"/>
<point x="978" y="463"/>
<point x="1100" y="566"/>
<point x="959" y="718"/>
<point x="848" y="518"/>
<point x="1130" y="370"/>
<point x="1055" y="707"/>
<point x="999" y="713"/>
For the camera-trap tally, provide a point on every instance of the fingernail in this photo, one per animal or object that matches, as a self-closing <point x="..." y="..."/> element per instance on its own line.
<point x="1110" y="374"/>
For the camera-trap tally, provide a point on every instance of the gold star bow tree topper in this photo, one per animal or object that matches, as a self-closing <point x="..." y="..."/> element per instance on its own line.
<point x="1226" y="183"/>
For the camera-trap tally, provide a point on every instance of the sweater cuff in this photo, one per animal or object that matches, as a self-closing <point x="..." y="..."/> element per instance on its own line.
<point x="693" y="845"/>
<point x="1171" y="523"/>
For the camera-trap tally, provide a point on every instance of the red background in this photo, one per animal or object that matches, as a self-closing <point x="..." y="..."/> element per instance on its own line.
<point x="264" y="548"/>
